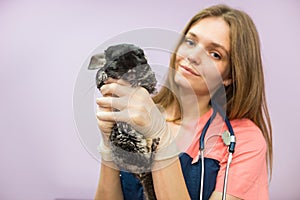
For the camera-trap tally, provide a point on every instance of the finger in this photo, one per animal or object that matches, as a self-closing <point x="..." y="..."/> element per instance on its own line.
<point x="134" y="119"/>
<point x="107" y="103"/>
<point x="105" y="127"/>
<point x="119" y="81"/>
<point x="112" y="116"/>
<point x="103" y="105"/>
<point x="107" y="109"/>
<point x="116" y="89"/>
<point x="104" y="116"/>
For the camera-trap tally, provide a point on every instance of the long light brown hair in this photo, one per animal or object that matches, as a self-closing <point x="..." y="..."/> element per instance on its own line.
<point x="245" y="97"/>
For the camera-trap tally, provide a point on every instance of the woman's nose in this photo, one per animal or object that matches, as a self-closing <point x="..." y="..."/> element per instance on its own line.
<point x="195" y="54"/>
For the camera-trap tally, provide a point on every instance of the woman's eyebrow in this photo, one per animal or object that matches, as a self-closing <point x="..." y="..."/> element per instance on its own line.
<point x="191" y="34"/>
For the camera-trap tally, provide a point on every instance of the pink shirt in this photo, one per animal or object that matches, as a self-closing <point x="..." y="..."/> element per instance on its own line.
<point x="248" y="174"/>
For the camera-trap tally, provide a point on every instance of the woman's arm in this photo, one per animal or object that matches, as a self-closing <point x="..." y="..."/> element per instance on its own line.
<point x="109" y="186"/>
<point x="169" y="181"/>
<point x="136" y="107"/>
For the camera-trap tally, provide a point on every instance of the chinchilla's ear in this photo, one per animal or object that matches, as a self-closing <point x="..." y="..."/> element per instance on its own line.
<point x="97" y="61"/>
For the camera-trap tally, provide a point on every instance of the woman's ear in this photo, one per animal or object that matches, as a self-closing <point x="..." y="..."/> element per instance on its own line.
<point x="227" y="82"/>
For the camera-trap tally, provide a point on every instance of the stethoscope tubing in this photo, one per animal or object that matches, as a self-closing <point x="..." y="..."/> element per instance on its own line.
<point x="231" y="147"/>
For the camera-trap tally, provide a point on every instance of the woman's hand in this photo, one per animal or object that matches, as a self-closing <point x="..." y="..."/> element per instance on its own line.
<point x="131" y="105"/>
<point x="105" y="128"/>
<point x="135" y="107"/>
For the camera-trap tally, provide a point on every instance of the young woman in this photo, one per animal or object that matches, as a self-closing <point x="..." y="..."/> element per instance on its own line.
<point x="219" y="51"/>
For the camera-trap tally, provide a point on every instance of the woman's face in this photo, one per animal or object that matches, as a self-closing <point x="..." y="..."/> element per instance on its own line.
<point x="202" y="60"/>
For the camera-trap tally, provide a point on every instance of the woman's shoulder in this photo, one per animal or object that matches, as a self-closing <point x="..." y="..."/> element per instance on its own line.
<point x="248" y="171"/>
<point x="248" y="134"/>
<point x="244" y="123"/>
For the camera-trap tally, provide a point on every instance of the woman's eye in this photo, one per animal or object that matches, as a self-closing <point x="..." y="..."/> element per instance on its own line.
<point x="216" y="55"/>
<point x="190" y="42"/>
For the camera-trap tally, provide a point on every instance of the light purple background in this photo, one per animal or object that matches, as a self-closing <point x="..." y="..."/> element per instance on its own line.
<point x="42" y="47"/>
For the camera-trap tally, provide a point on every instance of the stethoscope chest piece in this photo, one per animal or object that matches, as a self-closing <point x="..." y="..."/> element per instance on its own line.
<point x="226" y="137"/>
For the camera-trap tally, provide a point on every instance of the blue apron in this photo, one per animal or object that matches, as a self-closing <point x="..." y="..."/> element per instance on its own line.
<point x="132" y="189"/>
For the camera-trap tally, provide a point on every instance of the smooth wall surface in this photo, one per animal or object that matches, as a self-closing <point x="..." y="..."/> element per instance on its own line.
<point x="42" y="47"/>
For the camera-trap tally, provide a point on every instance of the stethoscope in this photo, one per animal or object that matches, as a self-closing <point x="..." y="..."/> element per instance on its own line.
<point x="229" y="140"/>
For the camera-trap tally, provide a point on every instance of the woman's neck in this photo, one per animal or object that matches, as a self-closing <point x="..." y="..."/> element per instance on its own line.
<point x="192" y="106"/>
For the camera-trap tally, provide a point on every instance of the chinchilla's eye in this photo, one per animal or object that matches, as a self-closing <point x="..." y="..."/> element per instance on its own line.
<point x="114" y="65"/>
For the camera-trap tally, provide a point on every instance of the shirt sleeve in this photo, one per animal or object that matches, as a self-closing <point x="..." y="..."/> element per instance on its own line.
<point x="248" y="174"/>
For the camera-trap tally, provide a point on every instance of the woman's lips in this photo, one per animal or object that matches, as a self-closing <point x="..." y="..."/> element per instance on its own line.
<point x="189" y="70"/>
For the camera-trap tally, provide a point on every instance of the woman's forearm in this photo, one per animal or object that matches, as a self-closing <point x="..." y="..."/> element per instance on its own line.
<point x="109" y="186"/>
<point x="169" y="182"/>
